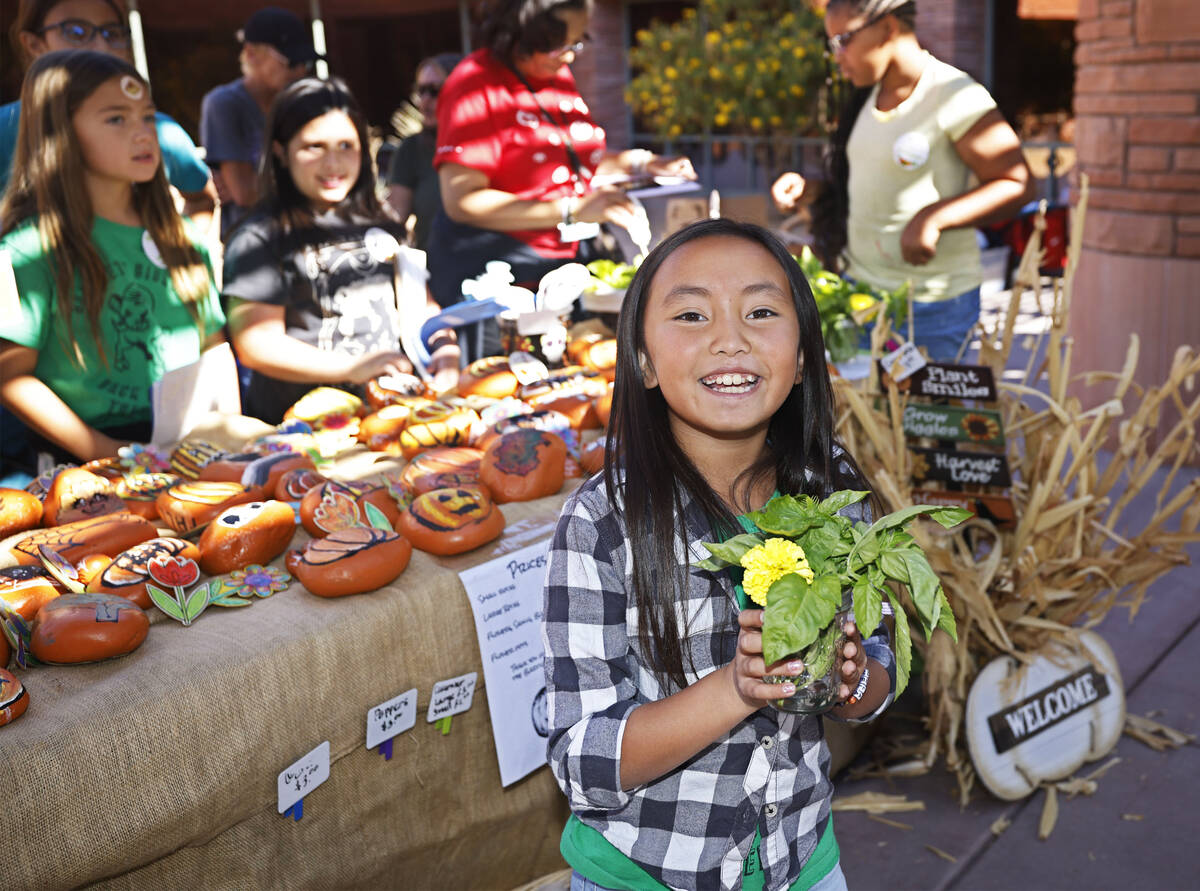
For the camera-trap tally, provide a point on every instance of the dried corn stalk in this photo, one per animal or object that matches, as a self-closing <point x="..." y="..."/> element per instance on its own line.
<point x="1068" y="561"/>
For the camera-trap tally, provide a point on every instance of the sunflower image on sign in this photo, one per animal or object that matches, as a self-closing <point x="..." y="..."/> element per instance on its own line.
<point x="980" y="428"/>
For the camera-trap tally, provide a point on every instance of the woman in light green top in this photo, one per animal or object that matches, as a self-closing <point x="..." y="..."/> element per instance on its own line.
<point x="921" y="156"/>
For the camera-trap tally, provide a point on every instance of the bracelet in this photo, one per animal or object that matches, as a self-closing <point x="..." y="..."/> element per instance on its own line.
<point x="567" y="216"/>
<point x="639" y="159"/>
<point x="861" y="688"/>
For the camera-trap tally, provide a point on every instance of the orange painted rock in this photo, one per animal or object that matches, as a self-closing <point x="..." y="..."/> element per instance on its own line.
<point x="543" y="419"/>
<point x="294" y="484"/>
<point x="575" y="378"/>
<point x="333" y="506"/>
<point x="257" y="532"/>
<point x="110" y="534"/>
<point x="78" y="628"/>
<point x="19" y="510"/>
<point x="523" y="465"/>
<point x="91" y="566"/>
<point x="604" y="407"/>
<point x="227" y="468"/>
<point x="456" y="427"/>
<point x="109" y="468"/>
<point x="451" y="521"/>
<point x="78" y="494"/>
<point x="350" y="561"/>
<point x="140" y="492"/>
<point x="326" y="408"/>
<point x="127" y="575"/>
<point x="13" y="698"/>
<point x="579" y="407"/>
<point x="380" y="432"/>
<point x="26" y="589"/>
<point x="192" y="456"/>
<point x="490" y="376"/>
<point x="601" y="356"/>
<point x="390" y="389"/>
<point x="193" y="503"/>
<point x="442" y="468"/>
<point x="591" y="458"/>
<point x="266" y="472"/>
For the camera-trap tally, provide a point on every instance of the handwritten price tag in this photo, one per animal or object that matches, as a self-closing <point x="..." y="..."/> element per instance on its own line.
<point x="451" y="697"/>
<point x="391" y="718"/>
<point x="303" y="776"/>
<point x="903" y="362"/>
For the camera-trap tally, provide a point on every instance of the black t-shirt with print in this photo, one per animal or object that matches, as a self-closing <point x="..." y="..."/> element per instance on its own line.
<point x="335" y="282"/>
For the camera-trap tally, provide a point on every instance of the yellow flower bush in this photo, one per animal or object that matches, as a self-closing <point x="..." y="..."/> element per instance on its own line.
<point x="736" y="67"/>
<point x="768" y="563"/>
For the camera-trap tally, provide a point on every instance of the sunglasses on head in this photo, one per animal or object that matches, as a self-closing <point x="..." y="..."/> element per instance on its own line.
<point x="429" y="90"/>
<point x="77" y="32"/>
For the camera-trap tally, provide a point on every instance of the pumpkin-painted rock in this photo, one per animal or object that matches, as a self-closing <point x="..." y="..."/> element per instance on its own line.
<point x="127" y="574"/>
<point x="442" y="468"/>
<point x="350" y="561"/>
<point x="451" y="521"/>
<point x="26" y="589"/>
<point x="78" y="628"/>
<point x="335" y="505"/>
<point x="140" y="492"/>
<point x="191" y="504"/>
<point x="523" y="465"/>
<point x="13" y="697"/>
<point x="389" y="389"/>
<point x="78" y="494"/>
<point x="110" y="534"/>
<point x="19" y="510"/>
<point x="294" y="484"/>
<point x="490" y="376"/>
<point x="256" y="532"/>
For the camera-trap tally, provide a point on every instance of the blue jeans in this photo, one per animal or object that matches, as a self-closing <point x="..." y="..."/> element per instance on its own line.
<point x="940" y="327"/>
<point x="835" y="881"/>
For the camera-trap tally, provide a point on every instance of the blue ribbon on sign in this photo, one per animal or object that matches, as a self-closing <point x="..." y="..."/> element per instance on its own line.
<point x="385" y="749"/>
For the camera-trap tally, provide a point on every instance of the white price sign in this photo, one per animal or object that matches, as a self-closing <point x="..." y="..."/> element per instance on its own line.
<point x="451" y="697"/>
<point x="904" y="362"/>
<point x="391" y="718"/>
<point x="303" y="776"/>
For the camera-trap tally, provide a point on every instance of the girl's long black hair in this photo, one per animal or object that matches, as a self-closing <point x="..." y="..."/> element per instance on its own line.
<point x="646" y="473"/>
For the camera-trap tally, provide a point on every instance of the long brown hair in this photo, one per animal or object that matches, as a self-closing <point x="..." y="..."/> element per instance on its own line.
<point x="48" y="185"/>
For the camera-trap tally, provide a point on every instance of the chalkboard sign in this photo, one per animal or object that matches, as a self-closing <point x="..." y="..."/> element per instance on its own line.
<point x="948" y="422"/>
<point x="940" y="380"/>
<point x="996" y="508"/>
<point x="961" y="468"/>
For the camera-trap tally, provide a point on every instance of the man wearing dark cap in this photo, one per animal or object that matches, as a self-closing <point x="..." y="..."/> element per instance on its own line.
<point x="276" y="50"/>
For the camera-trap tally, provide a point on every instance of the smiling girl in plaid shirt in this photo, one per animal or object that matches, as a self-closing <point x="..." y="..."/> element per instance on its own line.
<point x="677" y="771"/>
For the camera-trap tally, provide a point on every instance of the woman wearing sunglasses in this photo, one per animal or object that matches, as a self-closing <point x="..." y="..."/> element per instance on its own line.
<point x="898" y="203"/>
<point x="42" y="26"/>
<point x="517" y="149"/>
<point x="412" y="181"/>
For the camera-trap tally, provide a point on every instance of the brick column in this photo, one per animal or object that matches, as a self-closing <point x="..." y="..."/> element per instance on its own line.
<point x="1137" y="106"/>
<point x="953" y="30"/>
<point x="600" y="72"/>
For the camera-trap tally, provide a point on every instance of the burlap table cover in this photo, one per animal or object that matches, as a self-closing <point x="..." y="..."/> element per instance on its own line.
<point x="159" y="769"/>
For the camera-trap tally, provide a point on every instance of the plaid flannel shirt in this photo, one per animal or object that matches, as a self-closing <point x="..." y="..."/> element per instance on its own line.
<point x="694" y="826"/>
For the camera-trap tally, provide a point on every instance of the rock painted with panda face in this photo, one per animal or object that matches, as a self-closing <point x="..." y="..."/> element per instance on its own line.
<point x="257" y="532"/>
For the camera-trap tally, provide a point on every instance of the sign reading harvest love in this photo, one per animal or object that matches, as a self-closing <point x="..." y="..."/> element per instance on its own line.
<point x="1047" y="707"/>
<point x="941" y="380"/>
<point x="961" y="468"/>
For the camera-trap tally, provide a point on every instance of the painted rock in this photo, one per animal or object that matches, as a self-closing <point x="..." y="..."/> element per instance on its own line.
<point x="380" y="432"/>
<point x="19" y="510"/>
<point x="523" y="465"/>
<point x="78" y="494"/>
<point x="542" y="419"/>
<point x="127" y="575"/>
<point x="257" y="532"/>
<point x="335" y="505"/>
<point x="193" y="455"/>
<point x="110" y="468"/>
<point x="442" y="468"/>
<point x="191" y="504"/>
<point x="503" y="409"/>
<point x="601" y="356"/>
<point x="140" y="492"/>
<point x="457" y="427"/>
<point x="591" y="458"/>
<point x="326" y="408"/>
<point x="350" y="561"/>
<point x="26" y="589"/>
<point x="451" y="521"/>
<point x="604" y="407"/>
<point x="294" y="484"/>
<point x="282" y="442"/>
<point x="110" y="534"/>
<point x="13" y="698"/>
<point x="78" y="628"/>
<point x="40" y="484"/>
<point x="227" y="468"/>
<point x="576" y="378"/>
<point x="392" y="388"/>
<point x="579" y="407"/>
<point x="489" y="376"/>
<point x="91" y="566"/>
<point x="1030" y="724"/>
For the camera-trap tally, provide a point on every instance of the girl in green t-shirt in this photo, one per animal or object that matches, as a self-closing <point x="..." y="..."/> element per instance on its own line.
<point x="111" y="291"/>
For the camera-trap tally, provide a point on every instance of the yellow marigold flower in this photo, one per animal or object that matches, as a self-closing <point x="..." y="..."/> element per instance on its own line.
<point x="712" y="38"/>
<point x="721" y="120"/>
<point x="768" y="563"/>
<point x="644" y="36"/>
<point x="798" y="52"/>
<point x="796" y="90"/>
<point x="665" y="46"/>
<point x="756" y="123"/>
<point x="670" y="72"/>
<point x="714" y="72"/>
<point x="776" y="120"/>
<point x="674" y="130"/>
<point x="784" y="43"/>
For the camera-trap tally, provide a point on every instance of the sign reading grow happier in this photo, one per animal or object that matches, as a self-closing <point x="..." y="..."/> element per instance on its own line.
<point x="506" y="598"/>
<point x="961" y="468"/>
<point x="948" y="422"/>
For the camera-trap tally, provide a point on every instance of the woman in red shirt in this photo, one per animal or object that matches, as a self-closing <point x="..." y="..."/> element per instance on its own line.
<point x="517" y="150"/>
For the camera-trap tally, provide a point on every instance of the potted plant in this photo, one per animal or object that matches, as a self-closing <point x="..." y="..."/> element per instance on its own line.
<point x="812" y="568"/>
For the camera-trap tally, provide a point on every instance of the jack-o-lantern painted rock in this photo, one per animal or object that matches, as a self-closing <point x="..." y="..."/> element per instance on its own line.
<point x="451" y="521"/>
<point x="326" y="408"/>
<point x="333" y="505"/>
<point x="257" y="532"/>
<point x="87" y="628"/>
<point x="140" y="492"/>
<point x="127" y="575"/>
<point x="13" y="697"/>
<point x="523" y="465"/>
<point x="442" y="468"/>
<point x="19" y="510"/>
<point x="110" y="534"/>
<point x="26" y="589"/>
<point x="78" y="494"/>
<point x="193" y="503"/>
<point x="350" y="561"/>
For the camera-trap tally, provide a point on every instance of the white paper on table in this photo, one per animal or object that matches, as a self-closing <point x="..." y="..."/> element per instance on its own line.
<point x="182" y="397"/>
<point x="506" y="597"/>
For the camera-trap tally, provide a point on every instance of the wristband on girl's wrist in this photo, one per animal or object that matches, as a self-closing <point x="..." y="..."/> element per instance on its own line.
<point x="861" y="688"/>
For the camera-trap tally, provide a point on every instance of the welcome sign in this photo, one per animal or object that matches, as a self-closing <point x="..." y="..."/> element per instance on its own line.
<point x="1047" y="707"/>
